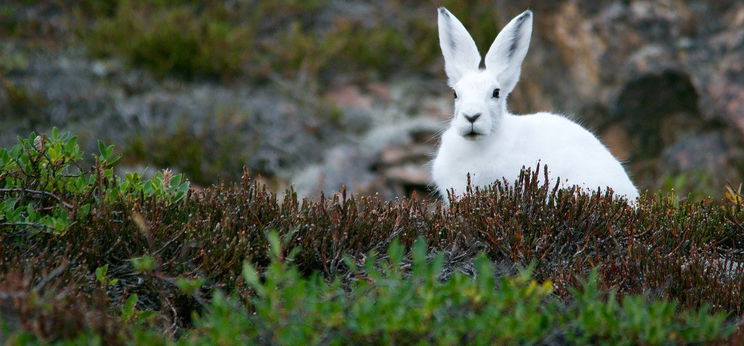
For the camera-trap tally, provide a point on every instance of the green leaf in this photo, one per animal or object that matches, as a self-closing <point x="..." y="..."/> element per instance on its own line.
<point x="395" y="253"/>
<point x="419" y="250"/>
<point x="101" y="273"/>
<point x="275" y="243"/>
<point x="176" y="180"/>
<point x="143" y="264"/>
<point x="102" y="150"/>
<point x="144" y="316"/>
<point x="250" y="275"/>
<point x="189" y="286"/>
<point x="350" y="264"/>
<point x="127" y="310"/>
<point x="4" y="159"/>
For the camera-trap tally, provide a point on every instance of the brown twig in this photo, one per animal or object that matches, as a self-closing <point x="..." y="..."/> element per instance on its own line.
<point x="51" y="276"/>
<point x="34" y="224"/>
<point x="38" y="192"/>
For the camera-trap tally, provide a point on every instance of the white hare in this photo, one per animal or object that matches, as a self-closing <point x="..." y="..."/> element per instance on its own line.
<point x="489" y="143"/>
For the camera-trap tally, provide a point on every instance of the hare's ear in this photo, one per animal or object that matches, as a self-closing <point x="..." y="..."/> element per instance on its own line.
<point x="460" y="52"/>
<point x="504" y="58"/>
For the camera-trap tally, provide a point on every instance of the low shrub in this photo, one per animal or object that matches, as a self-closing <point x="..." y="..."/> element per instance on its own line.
<point x="262" y="40"/>
<point x="45" y="188"/>
<point x="653" y="267"/>
<point x="405" y="300"/>
<point x="171" y="38"/>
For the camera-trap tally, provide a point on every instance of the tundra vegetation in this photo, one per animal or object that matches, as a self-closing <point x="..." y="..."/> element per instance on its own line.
<point x="255" y="39"/>
<point x="90" y="256"/>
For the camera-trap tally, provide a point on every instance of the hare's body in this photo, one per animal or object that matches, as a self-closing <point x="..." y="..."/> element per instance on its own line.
<point x="570" y="152"/>
<point x="488" y="143"/>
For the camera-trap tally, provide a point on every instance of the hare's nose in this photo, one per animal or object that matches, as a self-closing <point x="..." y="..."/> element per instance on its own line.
<point x="472" y="118"/>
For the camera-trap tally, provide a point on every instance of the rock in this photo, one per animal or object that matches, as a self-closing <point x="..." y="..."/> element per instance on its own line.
<point x="381" y="91"/>
<point x="349" y="96"/>
<point x="617" y="140"/>
<point x="410" y="174"/>
<point x="394" y="155"/>
<point x="709" y="153"/>
<point x="343" y="165"/>
<point x="389" y="161"/>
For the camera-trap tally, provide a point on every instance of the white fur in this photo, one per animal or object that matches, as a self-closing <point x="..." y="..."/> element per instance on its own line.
<point x="497" y="144"/>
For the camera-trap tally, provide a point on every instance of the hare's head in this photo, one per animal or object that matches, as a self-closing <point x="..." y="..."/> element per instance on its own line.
<point x="480" y="93"/>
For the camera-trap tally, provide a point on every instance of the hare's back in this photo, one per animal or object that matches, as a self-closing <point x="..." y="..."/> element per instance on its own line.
<point x="552" y="135"/>
<point x="570" y="151"/>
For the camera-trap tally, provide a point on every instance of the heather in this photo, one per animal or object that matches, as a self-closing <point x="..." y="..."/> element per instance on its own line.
<point x="91" y="255"/>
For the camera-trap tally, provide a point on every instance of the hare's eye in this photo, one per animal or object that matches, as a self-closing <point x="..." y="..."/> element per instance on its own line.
<point x="495" y="93"/>
<point x="455" y="93"/>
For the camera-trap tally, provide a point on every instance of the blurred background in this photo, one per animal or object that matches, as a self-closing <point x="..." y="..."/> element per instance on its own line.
<point x="324" y="93"/>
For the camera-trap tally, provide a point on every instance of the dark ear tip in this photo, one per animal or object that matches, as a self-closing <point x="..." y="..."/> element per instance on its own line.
<point x="527" y="13"/>
<point x="443" y="10"/>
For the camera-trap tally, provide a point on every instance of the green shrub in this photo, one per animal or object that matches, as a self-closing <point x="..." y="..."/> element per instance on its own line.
<point x="405" y="300"/>
<point x="44" y="186"/>
<point x="397" y="302"/>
